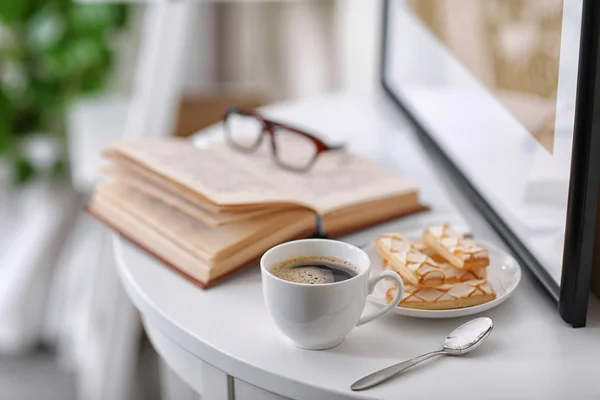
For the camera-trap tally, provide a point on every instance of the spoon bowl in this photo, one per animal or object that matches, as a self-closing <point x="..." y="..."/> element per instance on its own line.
<point x="468" y="337"/>
<point x="463" y="339"/>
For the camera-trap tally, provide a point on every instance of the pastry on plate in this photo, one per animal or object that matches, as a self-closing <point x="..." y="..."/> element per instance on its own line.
<point x="423" y="248"/>
<point x="457" y="250"/>
<point x="415" y="267"/>
<point x="454" y="274"/>
<point x="451" y="273"/>
<point x="445" y="297"/>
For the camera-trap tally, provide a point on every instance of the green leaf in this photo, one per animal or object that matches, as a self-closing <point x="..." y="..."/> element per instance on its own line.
<point x="44" y="100"/>
<point x="59" y="169"/>
<point x="25" y="122"/>
<point x="96" y="17"/>
<point x="122" y="11"/>
<point x="5" y="106"/>
<point x="14" y="11"/>
<point x="46" y="28"/>
<point x="48" y="95"/>
<point x="86" y="52"/>
<point x="93" y="79"/>
<point x="6" y="117"/>
<point x="5" y="141"/>
<point x="24" y="170"/>
<point x="55" y="65"/>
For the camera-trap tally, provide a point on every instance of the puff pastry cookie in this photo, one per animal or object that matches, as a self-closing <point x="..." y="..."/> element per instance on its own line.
<point x="422" y="247"/>
<point x="453" y="274"/>
<point x="448" y="296"/>
<point x="415" y="267"/>
<point x="454" y="248"/>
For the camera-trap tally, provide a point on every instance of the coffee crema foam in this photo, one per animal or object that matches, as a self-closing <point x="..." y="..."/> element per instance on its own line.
<point x="314" y="270"/>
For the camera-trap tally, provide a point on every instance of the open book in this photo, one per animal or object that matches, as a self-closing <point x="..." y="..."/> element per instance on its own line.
<point x="210" y="212"/>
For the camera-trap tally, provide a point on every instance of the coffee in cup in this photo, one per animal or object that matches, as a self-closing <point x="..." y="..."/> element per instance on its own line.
<point x="314" y="270"/>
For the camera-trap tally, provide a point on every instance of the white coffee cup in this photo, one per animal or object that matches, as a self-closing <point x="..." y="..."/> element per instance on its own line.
<point x="319" y="316"/>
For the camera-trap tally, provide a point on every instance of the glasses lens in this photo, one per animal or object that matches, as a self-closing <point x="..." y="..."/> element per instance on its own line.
<point x="244" y="131"/>
<point x="294" y="151"/>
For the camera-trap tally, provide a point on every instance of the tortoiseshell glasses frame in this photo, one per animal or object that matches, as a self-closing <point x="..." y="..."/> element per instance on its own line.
<point x="266" y="127"/>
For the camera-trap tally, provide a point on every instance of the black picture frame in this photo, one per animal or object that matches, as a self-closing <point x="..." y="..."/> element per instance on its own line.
<point x="573" y="293"/>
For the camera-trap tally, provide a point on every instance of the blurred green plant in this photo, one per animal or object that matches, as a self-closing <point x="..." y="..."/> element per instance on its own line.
<point x="51" y="52"/>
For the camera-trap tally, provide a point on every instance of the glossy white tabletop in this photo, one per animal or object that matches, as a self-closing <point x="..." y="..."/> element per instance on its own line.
<point x="530" y="354"/>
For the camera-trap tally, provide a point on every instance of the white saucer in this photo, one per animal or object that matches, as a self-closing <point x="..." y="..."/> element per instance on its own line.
<point x="504" y="274"/>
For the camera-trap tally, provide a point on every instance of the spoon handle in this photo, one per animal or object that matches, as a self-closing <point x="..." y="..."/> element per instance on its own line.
<point x="384" y="374"/>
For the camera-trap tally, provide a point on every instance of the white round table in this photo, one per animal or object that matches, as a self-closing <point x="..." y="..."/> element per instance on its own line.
<point x="223" y="345"/>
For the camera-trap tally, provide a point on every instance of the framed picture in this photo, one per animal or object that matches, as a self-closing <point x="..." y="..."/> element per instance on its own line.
<point x="506" y="93"/>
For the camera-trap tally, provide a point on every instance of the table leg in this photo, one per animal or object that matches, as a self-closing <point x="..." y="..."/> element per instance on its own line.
<point x="216" y="384"/>
<point x="172" y="387"/>
<point x="183" y="373"/>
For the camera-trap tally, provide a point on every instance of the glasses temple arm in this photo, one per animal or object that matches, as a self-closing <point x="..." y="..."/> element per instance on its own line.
<point x="341" y="146"/>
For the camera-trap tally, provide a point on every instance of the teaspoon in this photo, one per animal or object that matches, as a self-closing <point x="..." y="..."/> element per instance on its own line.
<point x="460" y="341"/>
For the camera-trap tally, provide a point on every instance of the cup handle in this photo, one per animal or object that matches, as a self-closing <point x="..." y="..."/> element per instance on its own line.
<point x="372" y="282"/>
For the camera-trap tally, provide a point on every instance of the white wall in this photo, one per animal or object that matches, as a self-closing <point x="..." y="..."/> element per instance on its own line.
<point x="287" y="49"/>
<point x="358" y="30"/>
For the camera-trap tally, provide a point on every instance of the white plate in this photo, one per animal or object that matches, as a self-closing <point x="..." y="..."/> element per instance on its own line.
<point x="504" y="274"/>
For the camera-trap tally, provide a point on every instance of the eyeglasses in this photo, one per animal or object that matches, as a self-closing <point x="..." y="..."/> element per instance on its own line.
<point x="292" y="148"/>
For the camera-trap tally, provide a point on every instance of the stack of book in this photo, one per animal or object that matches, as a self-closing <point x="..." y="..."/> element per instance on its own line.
<point x="210" y="212"/>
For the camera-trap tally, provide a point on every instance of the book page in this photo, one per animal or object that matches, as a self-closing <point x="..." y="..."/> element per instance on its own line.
<point x="204" y="241"/>
<point x="164" y="242"/>
<point x="178" y="199"/>
<point x="337" y="180"/>
<point x="203" y="171"/>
